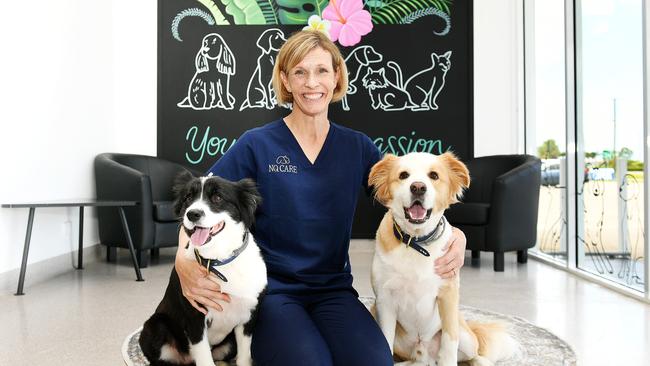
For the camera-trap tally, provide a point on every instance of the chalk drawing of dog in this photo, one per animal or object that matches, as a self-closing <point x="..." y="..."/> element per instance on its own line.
<point x="210" y="86"/>
<point x="259" y="93"/>
<point x="357" y="63"/>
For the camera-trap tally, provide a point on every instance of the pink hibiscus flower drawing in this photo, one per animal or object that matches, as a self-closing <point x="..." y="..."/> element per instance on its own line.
<point x="349" y="21"/>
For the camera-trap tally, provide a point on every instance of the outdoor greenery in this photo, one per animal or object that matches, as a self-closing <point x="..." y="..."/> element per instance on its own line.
<point x="548" y="150"/>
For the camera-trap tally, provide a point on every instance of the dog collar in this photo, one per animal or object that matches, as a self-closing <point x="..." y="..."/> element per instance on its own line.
<point x="416" y="242"/>
<point x="211" y="264"/>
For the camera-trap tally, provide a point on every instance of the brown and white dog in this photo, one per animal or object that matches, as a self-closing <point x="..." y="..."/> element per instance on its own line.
<point x="417" y="310"/>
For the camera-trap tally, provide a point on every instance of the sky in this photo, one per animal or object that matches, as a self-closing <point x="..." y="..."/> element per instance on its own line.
<point x="611" y="52"/>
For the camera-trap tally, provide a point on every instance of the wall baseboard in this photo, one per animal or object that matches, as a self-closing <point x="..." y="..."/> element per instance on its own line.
<point x="48" y="268"/>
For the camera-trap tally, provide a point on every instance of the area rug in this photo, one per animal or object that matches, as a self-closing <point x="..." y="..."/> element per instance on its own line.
<point x="539" y="347"/>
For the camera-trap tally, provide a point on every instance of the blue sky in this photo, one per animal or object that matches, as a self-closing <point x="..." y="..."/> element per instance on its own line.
<point x="611" y="52"/>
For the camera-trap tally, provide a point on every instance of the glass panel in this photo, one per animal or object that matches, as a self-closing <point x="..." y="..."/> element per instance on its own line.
<point x="610" y="140"/>
<point x="546" y="119"/>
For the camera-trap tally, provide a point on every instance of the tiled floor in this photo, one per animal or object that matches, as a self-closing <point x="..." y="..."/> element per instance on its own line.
<point x="82" y="317"/>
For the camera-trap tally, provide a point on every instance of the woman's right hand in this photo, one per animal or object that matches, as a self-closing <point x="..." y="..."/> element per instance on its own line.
<point x="198" y="288"/>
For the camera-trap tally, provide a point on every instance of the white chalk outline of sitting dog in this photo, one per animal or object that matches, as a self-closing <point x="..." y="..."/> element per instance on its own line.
<point x="259" y="93"/>
<point x="210" y="86"/>
<point x="359" y="59"/>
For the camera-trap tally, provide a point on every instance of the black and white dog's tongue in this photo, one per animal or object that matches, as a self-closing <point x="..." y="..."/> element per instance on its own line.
<point x="417" y="212"/>
<point x="200" y="236"/>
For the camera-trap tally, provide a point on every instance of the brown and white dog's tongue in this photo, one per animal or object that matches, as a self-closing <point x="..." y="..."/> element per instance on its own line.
<point x="200" y="236"/>
<point x="417" y="212"/>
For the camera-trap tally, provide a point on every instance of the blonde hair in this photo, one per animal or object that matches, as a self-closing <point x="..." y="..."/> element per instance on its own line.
<point x="294" y="50"/>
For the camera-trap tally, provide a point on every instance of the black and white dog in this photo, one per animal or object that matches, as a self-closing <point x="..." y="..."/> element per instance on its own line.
<point x="217" y="215"/>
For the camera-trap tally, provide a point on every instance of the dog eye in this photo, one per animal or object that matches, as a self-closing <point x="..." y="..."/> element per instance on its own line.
<point x="433" y="175"/>
<point x="403" y="175"/>
<point x="216" y="198"/>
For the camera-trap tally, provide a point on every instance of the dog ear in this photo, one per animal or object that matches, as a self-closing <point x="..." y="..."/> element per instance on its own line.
<point x="249" y="199"/>
<point x="226" y="60"/>
<point x="180" y="190"/>
<point x="261" y="40"/>
<point x="201" y="62"/>
<point x="379" y="178"/>
<point x="458" y="176"/>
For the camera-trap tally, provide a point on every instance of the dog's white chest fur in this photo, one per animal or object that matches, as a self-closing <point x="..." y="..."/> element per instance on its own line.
<point x="220" y="323"/>
<point x="246" y="277"/>
<point x="409" y="279"/>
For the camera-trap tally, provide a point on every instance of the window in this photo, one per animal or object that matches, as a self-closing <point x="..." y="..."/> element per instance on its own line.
<point x="603" y="177"/>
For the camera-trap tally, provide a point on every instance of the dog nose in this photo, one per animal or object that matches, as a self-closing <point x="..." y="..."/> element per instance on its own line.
<point x="418" y="188"/>
<point x="194" y="215"/>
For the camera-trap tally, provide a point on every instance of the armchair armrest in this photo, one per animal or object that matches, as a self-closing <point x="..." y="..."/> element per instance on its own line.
<point x="115" y="181"/>
<point x="120" y="182"/>
<point x="514" y="206"/>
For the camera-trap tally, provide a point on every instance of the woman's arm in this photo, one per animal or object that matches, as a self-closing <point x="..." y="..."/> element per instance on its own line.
<point x="449" y="264"/>
<point x="198" y="288"/>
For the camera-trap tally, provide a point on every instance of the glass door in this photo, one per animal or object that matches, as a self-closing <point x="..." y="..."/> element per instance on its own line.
<point x="609" y="133"/>
<point x="546" y="119"/>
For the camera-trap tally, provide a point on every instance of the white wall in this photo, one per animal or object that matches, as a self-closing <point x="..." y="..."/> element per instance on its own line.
<point x="69" y="90"/>
<point x="498" y="77"/>
<point x="79" y="78"/>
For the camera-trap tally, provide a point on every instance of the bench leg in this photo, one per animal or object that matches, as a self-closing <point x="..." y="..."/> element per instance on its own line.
<point x="498" y="261"/>
<point x="80" y="258"/>
<point x="127" y="233"/>
<point x="28" y="238"/>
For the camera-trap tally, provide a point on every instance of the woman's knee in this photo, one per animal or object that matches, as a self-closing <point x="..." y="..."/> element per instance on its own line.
<point x="298" y="353"/>
<point x="369" y="357"/>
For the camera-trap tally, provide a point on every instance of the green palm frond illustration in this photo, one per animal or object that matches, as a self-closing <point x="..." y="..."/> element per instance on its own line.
<point x="394" y="11"/>
<point x="244" y="11"/>
<point x="214" y="10"/>
<point x="269" y="10"/>
<point x="299" y="11"/>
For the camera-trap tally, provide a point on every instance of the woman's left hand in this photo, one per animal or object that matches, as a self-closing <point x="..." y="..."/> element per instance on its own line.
<point x="449" y="264"/>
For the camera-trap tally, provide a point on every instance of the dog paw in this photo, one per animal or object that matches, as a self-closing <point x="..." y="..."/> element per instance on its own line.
<point x="244" y="362"/>
<point x="480" y="361"/>
<point x="447" y="362"/>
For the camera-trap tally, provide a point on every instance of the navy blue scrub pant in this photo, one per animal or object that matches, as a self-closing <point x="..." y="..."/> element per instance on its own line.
<point x="326" y="329"/>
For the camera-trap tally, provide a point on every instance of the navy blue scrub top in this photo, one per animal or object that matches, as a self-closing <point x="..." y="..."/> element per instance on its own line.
<point x="304" y="223"/>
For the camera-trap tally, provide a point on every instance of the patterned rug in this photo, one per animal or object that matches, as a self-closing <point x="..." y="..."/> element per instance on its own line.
<point x="539" y="347"/>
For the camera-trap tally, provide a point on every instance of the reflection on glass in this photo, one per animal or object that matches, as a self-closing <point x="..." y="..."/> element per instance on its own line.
<point x="609" y="131"/>
<point x="546" y="119"/>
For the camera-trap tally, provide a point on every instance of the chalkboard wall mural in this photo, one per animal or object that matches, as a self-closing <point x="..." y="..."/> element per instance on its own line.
<point x="409" y="65"/>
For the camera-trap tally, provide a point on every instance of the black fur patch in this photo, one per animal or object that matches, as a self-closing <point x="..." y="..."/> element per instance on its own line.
<point x="250" y="325"/>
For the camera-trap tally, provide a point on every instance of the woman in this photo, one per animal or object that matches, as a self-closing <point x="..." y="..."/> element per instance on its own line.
<point x="309" y="171"/>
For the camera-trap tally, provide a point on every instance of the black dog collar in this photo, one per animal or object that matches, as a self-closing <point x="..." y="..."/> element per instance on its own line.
<point x="211" y="264"/>
<point x="417" y="242"/>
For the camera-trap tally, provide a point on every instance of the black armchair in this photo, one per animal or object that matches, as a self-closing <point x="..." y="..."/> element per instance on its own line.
<point x="498" y="212"/>
<point x="149" y="181"/>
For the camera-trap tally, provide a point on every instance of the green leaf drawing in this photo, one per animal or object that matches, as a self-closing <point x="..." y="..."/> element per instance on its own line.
<point x="245" y="12"/>
<point x="374" y="3"/>
<point x="216" y="13"/>
<point x="426" y="12"/>
<point x="299" y="11"/>
<point x="269" y="10"/>
<point x="395" y="10"/>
